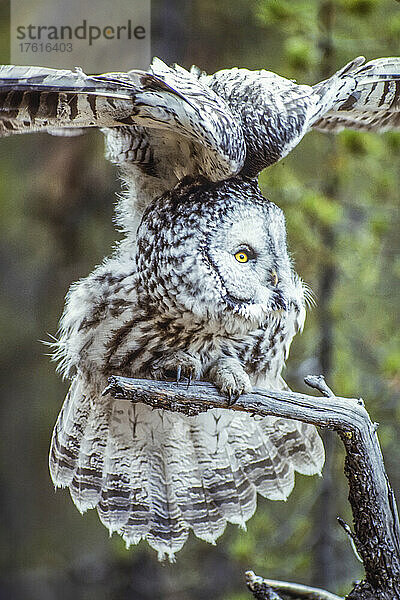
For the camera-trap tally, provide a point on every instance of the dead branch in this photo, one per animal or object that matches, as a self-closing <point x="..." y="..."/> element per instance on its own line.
<point x="376" y="524"/>
<point x="267" y="589"/>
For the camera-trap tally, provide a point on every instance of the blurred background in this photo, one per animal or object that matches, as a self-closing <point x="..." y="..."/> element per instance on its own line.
<point x="341" y="200"/>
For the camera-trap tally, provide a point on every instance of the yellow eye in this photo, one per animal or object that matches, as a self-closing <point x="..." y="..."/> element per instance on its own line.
<point x="274" y="277"/>
<point x="241" y="256"/>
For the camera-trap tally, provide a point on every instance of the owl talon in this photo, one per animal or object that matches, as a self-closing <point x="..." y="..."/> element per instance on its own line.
<point x="231" y="398"/>
<point x="177" y="365"/>
<point x="230" y="378"/>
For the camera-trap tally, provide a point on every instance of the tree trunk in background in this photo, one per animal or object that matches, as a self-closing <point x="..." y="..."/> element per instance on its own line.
<point x="325" y="560"/>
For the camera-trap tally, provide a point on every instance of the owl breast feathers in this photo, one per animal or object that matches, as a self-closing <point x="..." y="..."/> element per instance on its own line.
<point x="207" y="292"/>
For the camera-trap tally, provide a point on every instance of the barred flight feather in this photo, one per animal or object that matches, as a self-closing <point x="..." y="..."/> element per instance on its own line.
<point x="155" y="476"/>
<point x="168" y="123"/>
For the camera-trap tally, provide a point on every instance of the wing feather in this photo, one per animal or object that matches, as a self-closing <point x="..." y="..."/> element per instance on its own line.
<point x="276" y="113"/>
<point x="372" y="103"/>
<point x="35" y="98"/>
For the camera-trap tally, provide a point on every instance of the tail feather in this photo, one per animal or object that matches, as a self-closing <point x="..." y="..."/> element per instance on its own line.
<point x="245" y="493"/>
<point x="222" y="475"/>
<point x="200" y="507"/>
<point x="208" y="520"/>
<point x="299" y="442"/>
<point x="154" y="475"/>
<point x="269" y="471"/>
<point x="183" y="456"/>
<point x="88" y="480"/>
<point x="148" y="507"/>
<point x="115" y="499"/>
<point x="68" y="435"/>
<point x="168" y="532"/>
<point x="137" y="524"/>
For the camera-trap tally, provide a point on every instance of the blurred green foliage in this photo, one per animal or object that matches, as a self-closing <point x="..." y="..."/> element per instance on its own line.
<point x="56" y="202"/>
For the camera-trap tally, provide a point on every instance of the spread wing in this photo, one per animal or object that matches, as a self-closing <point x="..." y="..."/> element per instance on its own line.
<point x="276" y="113"/>
<point x="173" y="106"/>
<point x="372" y="105"/>
<point x="160" y="126"/>
<point x="166" y="124"/>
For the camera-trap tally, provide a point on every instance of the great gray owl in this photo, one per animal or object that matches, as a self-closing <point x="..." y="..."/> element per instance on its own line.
<point x="205" y="290"/>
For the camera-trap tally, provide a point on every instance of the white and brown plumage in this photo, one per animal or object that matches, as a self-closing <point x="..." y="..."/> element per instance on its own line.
<point x="172" y="298"/>
<point x="169" y="123"/>
<point x="183" y="302"/>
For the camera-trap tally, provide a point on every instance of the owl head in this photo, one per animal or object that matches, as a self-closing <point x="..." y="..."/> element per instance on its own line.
<point x="217" y="251"/>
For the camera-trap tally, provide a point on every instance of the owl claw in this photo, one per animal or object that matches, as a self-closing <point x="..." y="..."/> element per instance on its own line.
<point x="237" y="396"/>
<point x="230" y="378"/>
<point x="230" y="399"/>
<point x="177" y="365"/>
<point x="233" y="396"/>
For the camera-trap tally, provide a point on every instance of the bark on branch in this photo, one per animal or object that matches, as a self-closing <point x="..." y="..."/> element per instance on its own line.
<point x="376" y="523"/>
<point x="267" y="589"/>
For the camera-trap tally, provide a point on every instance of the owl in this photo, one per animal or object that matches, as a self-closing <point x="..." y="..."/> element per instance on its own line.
<point x="201" y="287"/>
<point x="207" y="292"/>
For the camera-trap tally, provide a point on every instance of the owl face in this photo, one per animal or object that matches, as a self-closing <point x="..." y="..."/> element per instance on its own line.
<point x="245" y="252"/>
<point x="217" y="251"/>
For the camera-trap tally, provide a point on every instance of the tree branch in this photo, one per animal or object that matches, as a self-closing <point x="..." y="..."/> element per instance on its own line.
<point x="267" y="589"/>
<point x="376" y="523"/>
